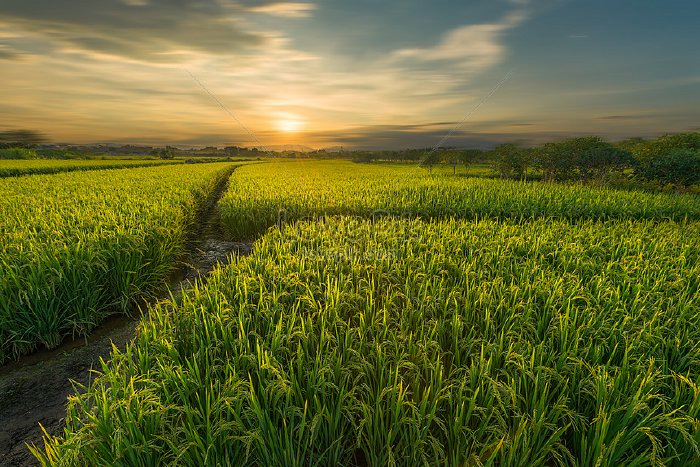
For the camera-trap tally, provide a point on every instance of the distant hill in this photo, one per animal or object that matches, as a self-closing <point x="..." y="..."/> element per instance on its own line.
<point x="335" y="149"/>
<point x="288" y="147"/>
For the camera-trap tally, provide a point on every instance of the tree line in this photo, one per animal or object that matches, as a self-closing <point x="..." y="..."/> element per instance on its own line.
<point x="670" y="160"/>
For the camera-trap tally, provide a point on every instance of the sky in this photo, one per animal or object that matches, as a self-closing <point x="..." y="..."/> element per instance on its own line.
<point x="351" y="73"/>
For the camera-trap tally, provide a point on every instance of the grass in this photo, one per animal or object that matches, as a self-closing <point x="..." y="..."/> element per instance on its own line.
<point x="402" y="342"/>
<point x="15" y="168"/>
<point x="77" y="246"/>
<point x="267" y="193"/>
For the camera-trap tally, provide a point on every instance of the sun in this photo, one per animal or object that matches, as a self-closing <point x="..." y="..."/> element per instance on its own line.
<point x="289" y="123"/>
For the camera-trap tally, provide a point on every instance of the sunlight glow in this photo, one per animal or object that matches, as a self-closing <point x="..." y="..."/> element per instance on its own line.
<point x="289" y="123"/>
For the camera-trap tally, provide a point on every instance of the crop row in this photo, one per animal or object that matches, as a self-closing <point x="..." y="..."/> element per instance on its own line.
<point x="15" y="168"/>
<point x="267" y="194"/>
<point x="75" y="246"/>
<point x="402" y="342"/>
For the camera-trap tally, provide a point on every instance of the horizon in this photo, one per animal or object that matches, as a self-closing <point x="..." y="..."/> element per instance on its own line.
<point x="483" y="145"/>
<point x="365" y="75"/>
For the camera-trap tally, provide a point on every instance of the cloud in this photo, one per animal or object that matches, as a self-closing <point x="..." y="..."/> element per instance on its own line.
<point x="9" y="53"/>
<point x="420" y="136"/>
<point x="257" y="73"/>
<point x="473" y="47"/>
<point x="437" y="79"/>
<point x="286" y="9"/>
<point x="146" y="30"/>
<point x="621" y="117"/>
<point x="578" y="36"/>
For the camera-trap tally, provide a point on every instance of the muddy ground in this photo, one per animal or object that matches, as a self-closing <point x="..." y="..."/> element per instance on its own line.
<point x="34" y="390"/>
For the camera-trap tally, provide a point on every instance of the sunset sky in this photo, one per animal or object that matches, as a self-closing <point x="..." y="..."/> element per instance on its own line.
<point x="352" y="73"/>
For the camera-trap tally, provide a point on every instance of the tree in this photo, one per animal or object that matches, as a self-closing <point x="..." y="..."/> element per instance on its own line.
<point x="511" y="161"/>
<point x="167" y="153"/>
<point x="554" y="161"/>
<point x="630" y="144"/>
<point x="452" y="157"/>
<point x="669" y="159"/>
<point x="231" y="151"/>
<point x="664" y="144"/>
<point x="18" y="153"/>
<point x="596" y="159"/>
<point x="470" y="157"/>
<point x="585" y="158"/>
<point x="429" y="160"/>
<point x="363" y="156"/>
<point x="679" y="166"/>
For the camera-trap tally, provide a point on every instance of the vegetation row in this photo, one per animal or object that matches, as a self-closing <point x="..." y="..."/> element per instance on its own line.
<point x="77" y="246"/>
<point x="15" y="168"/>
<point x="268" y="194"/>
<point x="353" y="342"/>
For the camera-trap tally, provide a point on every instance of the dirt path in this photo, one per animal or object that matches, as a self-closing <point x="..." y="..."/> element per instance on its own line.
<point x="34" y="390"/>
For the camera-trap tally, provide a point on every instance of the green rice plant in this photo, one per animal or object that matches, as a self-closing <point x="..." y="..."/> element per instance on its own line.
<point x="77" y="246"/>
<point x="408" y="342"/>
<point x="15" y="168"/>
<point x="263" y="195"/>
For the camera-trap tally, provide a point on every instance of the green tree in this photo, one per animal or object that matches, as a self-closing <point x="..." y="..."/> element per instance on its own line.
<point x="470" y="157"/>
<point x="511" y="161"/>
<point x="596" y="159"/>
<point x="429" y="160"/>
<point x="451" y="157"/>
<point x="18" y="153"/>
<point x="555" y="161"/>
<point x="679" y="167"/>
<point x="585" y="158"/>
<point x="647" y="149"/>
<point x="167" y="153"/>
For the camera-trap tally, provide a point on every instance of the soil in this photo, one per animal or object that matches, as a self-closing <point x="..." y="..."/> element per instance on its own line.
<point x="34" y="390"/>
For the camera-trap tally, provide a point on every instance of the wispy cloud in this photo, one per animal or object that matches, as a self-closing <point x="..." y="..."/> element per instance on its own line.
<point x="473" y="47"/>
<point x="621" y="117"/>
<point x="286" y="9"/>
<point x="426" y="135"/>
<point x="119" y="65"/>
<point x="9" y="53"/>
<point x="146" y="30"/>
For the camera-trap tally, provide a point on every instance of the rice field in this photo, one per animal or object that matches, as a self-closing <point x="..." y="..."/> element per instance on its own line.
<point x="267" y="194"/>
<point x="386" y="316"/>
<point x="77" y="246"/>
<point x="406" y="342"/>
<point x="15" y="168"/>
